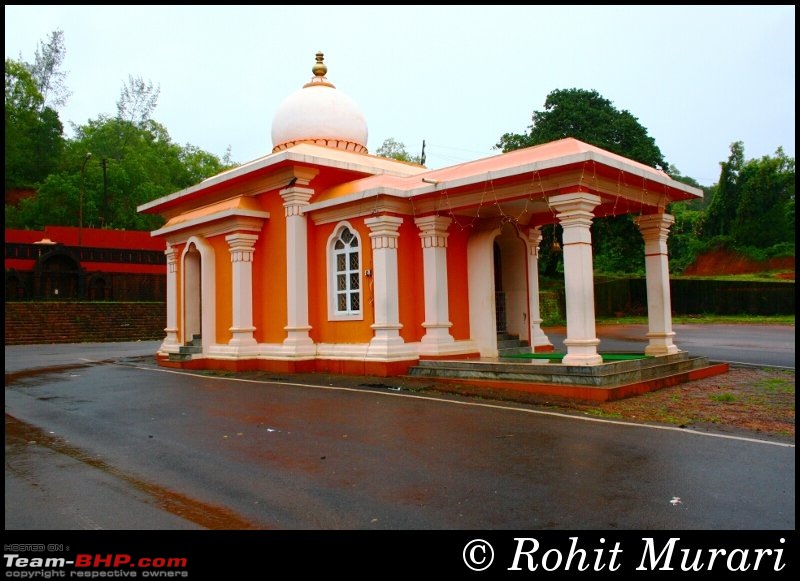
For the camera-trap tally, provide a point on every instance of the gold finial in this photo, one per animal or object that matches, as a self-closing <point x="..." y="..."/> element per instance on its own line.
<point x="319" y="69"/>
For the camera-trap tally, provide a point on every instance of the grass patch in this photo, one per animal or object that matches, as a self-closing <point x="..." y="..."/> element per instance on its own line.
<point x="599" y="413"/>
<point x="705" y="319"/>
<point x="776" y="385"/>
<point x="723" y="397"/>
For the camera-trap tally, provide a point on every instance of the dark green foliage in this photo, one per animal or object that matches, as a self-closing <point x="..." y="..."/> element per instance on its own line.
<point x="752" y="205"/>
<point x="750" y="208"/>
<point x="765" y="212"/>
<point x="589" y="117"/>
<point x="129" y="166"/>
<point x="725" y="195"/>
<point x="33" y="132"/>
<point x="396" y="150"/>
<point x="132" y="161"/>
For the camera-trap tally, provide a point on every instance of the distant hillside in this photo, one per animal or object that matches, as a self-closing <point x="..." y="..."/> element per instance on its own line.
<point x="721" y="262"/>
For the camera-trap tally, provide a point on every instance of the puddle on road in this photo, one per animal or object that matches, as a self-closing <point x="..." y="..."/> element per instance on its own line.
<point x="20" y="434"/>
<point x="40" y="375"/>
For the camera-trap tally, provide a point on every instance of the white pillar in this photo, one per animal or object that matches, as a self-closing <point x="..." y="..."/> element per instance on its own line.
<point x="655" y="230"/>
<point x="241" y="249"/>
<point x="538" y="338"/>
<point x="297" y="340"/>
<point x="171" y="342"/>
<point x="384" y="234"/>
<point x="575" y="215"/>
<point x="433" y="235"/>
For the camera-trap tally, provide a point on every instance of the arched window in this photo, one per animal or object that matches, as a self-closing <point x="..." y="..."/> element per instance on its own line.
<point x="345" y="274"/>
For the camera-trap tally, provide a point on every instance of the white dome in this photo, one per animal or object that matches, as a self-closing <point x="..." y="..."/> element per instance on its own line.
<point x="319" y="113"/>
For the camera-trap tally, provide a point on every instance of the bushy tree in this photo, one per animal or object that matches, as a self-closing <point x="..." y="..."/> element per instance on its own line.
<point x="33" y="132"/>
<point x="765" y="212"/>
<point x="48" y="73"/>
<point x="752" y="205"/>
<point x="113" y="164"/>
<point x="397" y="150"/>
<point x="133" y="161"/>
<point x="589" y="117"/>
<point x="724" y="202"/>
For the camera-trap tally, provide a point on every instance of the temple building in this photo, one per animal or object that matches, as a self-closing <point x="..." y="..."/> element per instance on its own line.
<point x="322" y="257"/>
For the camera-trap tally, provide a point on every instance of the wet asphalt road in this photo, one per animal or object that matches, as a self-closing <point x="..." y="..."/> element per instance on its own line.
<point x="100" y="438"/>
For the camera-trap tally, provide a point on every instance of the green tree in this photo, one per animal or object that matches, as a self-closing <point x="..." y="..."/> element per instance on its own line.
<point x="724" y="203"/>
<point x="137" y="101"/>
<point x="47" y="70"/>
<point x="586" y="115"/>
<point x="116" y="179"/>
<point x="133" y="161"/>
<point x="397" y="150"/>
<point x="589" y="117"/>
<point x="751" y="207"/>
<point x="765" y="211"/>
<point x="33" y="132"/>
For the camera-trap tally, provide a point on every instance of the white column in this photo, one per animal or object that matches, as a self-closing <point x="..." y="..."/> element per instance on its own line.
<point x="171" y="342"/>
<point x="575" y="215"/>
<point x="433" y="235"/>
<point x="384" y="234"/>
<point x="655" y="230"/>
<point x="297" y="340"/>
<point x="538" y="338"/>
<point x="241" y="249"/>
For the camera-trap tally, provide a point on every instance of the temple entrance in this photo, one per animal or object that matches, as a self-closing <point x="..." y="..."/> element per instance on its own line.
<point x="499" y="295"/>
<point x="58" y="276"/>
<point x="192" y="309"/>
<point x="510" y="284"/>
<point x="498" y="288"/>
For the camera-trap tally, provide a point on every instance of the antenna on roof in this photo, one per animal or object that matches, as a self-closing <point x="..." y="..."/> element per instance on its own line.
<point x="422" y="155"/>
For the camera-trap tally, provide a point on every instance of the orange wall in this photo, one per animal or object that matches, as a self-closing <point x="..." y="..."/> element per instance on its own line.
<point x="224" y="292"/>
<point x="457" y="281"/>
<point x="323" y="330"/>
<point x="269" y="282"/>
<point x="269" y="274"/>
<point x="411" y="280"/>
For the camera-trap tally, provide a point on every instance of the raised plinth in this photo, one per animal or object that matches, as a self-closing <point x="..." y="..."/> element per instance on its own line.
<point x="603" y="382"/>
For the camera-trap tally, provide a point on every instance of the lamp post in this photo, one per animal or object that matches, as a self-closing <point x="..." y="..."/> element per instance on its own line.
<point x="80" y="201"/>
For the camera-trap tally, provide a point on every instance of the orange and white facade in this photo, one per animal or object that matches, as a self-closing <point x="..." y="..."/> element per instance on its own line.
<point x="322" y="257"/>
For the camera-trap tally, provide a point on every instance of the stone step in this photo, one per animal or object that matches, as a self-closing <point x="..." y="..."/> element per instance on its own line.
<point x="516" y="350"/>
<point x="190" y="349"/>
<point x="610" y="374"/>
<point x="504" y="343"/>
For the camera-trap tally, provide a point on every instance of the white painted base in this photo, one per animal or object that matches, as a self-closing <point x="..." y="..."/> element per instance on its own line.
<point x="539" y="337"/>
<point x="445" y="349"/>
<point x="582" y="352"/>
<point x="229" y="351"/>
<point x="660" y="344"/>
<point x="242" y="337"/>
<point x="171" y="344"/>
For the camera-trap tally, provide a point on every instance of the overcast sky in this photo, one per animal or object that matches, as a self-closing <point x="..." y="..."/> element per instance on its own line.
<point x="697" y="77"/>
